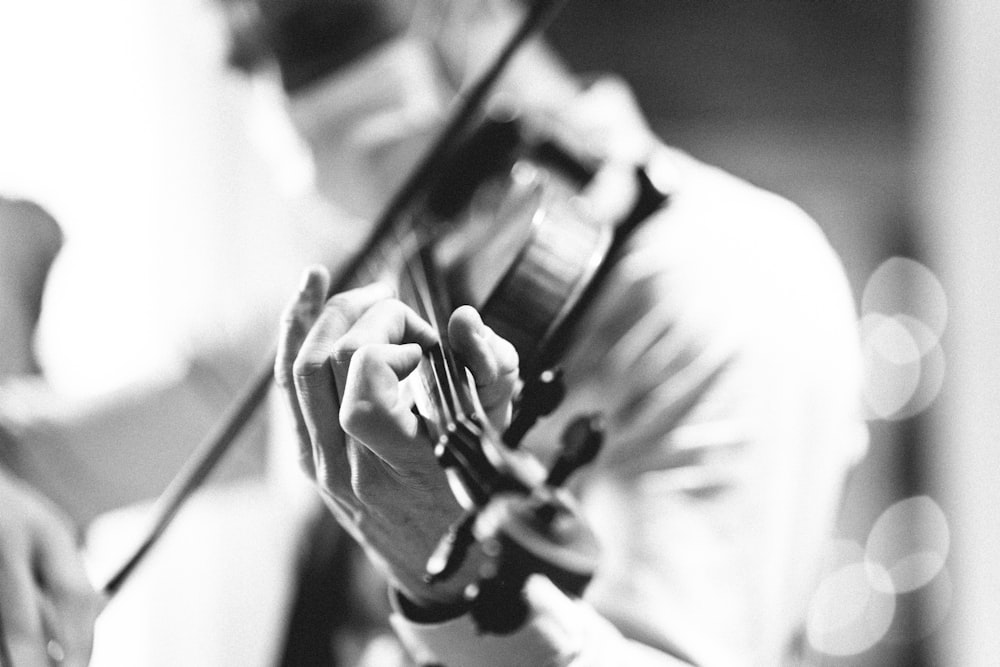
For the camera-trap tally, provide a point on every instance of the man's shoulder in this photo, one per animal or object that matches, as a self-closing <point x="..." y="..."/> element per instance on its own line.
<point x="719" y="225"/>
<point x="726" y="260"/>
<point x="723" y="203"/>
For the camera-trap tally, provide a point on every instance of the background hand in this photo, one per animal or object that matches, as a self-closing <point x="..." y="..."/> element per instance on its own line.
<point x="45" y="595"/>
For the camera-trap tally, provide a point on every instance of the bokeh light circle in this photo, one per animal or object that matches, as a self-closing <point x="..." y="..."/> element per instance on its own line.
<point x="903" y="286"/>
<point x="892" y="365"/>
<point x="850" y="612"/>
<point x="904" y="313"/>
<point x="932" y="373"/>
<point x="910" y="542"/>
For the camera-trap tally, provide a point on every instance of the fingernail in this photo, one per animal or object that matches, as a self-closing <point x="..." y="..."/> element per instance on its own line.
<point x="55" y="650"/>
<point x="413" y="352"/>
<point x="480" y="329"/>
<point x="305" y="280"/>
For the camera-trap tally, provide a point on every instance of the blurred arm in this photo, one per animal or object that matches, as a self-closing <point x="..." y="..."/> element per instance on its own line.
<point x="97" y="454"/>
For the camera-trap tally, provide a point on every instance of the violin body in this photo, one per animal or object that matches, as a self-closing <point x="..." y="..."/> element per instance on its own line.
<point x="516" y="245"/>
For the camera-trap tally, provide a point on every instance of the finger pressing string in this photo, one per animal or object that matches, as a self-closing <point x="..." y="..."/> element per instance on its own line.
<point x="389" y="321"/>
<point x="386" y="322"/>
<point x="375" y="410"/>
<point x="492" y="360"/>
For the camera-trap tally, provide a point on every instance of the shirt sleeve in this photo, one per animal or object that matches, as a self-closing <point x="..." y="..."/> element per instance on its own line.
<point x="560" y="631"/>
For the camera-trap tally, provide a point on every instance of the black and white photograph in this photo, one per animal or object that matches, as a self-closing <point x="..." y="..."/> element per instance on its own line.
<point x="499" y="333"/>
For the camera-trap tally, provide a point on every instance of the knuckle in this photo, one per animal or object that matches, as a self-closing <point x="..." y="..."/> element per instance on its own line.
<point x="339" y="301"/>
<point x="357" y="417"/>
<point x="344" y="349"/>
<point x="367" y="486"/>
<point x="307" y="364"/>
<point x="289" y="316"/>
<point x="367" y="356"/>
<point x="296" y="319"/>
<point x="507" y="355"/>
<point x="341" y="305"/>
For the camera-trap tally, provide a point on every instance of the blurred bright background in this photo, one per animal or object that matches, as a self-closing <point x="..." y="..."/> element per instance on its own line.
<point x="879" y="118"/>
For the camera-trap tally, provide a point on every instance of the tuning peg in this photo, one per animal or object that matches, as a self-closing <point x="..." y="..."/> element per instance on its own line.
<point x="581" y="440"/>
<point x="451" y="549"/>
<point x="540" y="397"/>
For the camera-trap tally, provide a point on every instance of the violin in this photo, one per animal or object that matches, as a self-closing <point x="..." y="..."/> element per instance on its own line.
<point x="537" y="262"/>
<point x="486" y="219"/>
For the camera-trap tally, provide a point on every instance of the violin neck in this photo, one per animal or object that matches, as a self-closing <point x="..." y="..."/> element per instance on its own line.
<point x="447" y="398"/>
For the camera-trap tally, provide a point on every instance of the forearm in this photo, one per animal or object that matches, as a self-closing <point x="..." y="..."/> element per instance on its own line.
<point x="93" y="455"/>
